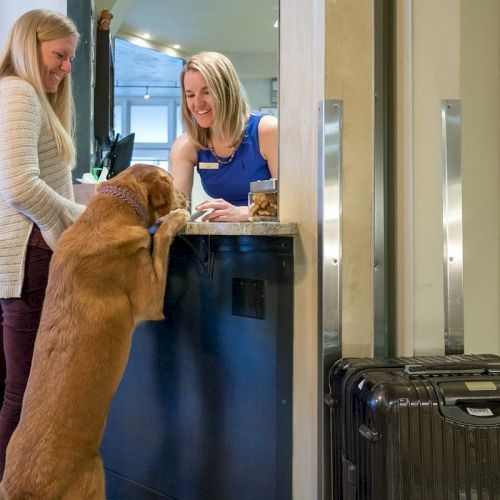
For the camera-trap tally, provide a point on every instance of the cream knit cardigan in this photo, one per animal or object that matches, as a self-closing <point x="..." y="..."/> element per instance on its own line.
<point x="35" y="183"/>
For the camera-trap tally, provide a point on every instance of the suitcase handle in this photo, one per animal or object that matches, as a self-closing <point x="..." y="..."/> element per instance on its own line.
<point x="448" y="368"/>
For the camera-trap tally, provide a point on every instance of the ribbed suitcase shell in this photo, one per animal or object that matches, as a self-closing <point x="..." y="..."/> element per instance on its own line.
<point x="409" y="449"/>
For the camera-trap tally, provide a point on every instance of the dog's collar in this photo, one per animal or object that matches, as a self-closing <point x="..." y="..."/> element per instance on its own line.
<point x="125" y="195"/>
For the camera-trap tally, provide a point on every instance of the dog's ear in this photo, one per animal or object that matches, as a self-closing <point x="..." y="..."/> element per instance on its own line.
<point x="160" y="194"/>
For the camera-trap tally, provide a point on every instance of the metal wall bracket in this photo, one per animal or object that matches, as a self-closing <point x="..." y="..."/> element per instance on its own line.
<point x="329" y="269"/>
<point x="329" y="219"/>
<point x="451" y="169"/>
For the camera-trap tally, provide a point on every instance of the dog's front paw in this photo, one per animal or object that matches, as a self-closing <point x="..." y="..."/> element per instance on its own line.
<point x="174" y="221"/>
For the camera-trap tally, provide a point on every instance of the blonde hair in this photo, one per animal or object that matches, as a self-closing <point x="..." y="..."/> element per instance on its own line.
<point x="230" y="102"/>
<point x="21" y="58"/>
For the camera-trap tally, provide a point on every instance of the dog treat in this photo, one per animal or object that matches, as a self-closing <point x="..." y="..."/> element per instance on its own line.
<point x="263" y="200"/>
<point x="263" y="206"/>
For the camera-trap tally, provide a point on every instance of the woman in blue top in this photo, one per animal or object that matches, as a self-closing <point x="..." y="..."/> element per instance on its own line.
<point x="229" y="146"/>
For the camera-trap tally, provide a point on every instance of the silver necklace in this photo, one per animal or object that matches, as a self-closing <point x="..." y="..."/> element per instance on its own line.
<point x="220" y="160"/>
<point x="235" y="149"/>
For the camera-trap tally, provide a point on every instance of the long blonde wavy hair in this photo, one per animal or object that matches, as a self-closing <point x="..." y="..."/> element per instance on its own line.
<point x="229" y="97"/>
<point x="21" y="58"/>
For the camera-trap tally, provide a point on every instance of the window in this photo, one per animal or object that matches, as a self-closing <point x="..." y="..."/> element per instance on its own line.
<point x="178" y="117"/>
<point x="156" y="124"/>
<point x="118" y="120"/>
<point x="150" y="123"/>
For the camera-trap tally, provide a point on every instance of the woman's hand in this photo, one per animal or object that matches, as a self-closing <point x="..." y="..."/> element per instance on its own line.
<point x="223" y="211"/>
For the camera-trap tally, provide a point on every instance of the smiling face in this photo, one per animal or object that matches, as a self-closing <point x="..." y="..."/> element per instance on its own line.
<point x="56" y="57"/>
<point x="198" y="99"/>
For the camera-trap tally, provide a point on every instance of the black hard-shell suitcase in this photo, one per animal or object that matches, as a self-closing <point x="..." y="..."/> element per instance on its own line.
<point x="416" y="428"/>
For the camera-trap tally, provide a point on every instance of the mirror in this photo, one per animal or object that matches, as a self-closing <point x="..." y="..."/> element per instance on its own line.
<point x="147" y="93"/>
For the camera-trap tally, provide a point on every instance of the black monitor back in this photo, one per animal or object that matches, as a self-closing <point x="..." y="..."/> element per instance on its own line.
<point x="120" y="155"/>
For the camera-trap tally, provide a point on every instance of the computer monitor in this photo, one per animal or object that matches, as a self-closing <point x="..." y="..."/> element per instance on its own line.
<point x="120" y="155"/>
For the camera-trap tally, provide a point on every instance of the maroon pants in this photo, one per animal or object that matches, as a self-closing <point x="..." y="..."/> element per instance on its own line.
<point x="19" y="320"/>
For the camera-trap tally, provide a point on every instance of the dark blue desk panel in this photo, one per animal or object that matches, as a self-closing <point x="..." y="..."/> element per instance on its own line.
<point x="204" y="411"/>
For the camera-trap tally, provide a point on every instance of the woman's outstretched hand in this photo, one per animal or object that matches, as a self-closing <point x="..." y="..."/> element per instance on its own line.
<point x="222" y="211"/>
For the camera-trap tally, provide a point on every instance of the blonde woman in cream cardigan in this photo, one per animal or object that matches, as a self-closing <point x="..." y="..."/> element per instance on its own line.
<point x="36" y="194"/>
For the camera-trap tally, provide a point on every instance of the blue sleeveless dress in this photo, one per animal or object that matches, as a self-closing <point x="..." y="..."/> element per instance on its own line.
<point x="232" y="181"/>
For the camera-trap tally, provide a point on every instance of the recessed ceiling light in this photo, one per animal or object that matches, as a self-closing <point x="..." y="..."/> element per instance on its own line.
<point x="147" y="36"/>
<point x="176" y="46"/>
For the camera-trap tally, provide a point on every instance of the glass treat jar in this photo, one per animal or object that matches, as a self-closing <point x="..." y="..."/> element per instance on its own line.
<point x="263" y="201"/>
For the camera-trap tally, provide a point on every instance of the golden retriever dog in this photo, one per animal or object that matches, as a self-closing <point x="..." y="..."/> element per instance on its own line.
<point x="107" y="273"/>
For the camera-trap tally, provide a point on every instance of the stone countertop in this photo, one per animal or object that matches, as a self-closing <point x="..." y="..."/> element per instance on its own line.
<point x="83" y="193"/>
<point x="241" y="228"/>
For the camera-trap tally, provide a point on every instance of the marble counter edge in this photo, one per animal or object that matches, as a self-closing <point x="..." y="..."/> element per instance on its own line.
<point x="84" y="192"/>
<point x="241" y="228"/>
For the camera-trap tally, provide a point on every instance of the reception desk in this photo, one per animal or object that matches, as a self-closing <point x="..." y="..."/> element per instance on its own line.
<point x="204" y="411"/>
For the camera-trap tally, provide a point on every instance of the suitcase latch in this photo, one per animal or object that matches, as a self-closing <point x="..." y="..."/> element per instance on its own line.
<point x="368" y="433"/>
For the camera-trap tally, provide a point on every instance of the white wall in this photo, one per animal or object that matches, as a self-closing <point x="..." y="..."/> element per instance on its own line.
<point x="301" y="88"/>
<point x="465" y="65"/>
<point x="480" y="91"/>
<point x="349" y="76"/>
<point x="255" y="72"/>
<point x="12" y="9"/>
<point x="259" y="92"/>
<point x="436" y="76"/>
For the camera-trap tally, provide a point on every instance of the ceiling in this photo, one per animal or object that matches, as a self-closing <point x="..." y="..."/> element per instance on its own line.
<point x="196" y="25"/>
<point x="241" y="29"/>
<point x="137" y="66"/>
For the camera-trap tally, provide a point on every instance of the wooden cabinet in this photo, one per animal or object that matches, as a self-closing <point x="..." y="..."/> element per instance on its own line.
<point x="104" y="88"/>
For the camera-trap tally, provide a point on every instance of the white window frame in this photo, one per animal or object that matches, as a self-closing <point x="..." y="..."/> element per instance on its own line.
<point x="153" y="150"/>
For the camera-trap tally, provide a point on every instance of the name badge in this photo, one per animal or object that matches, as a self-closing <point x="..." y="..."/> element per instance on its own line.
<point x="206" y="165"/>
